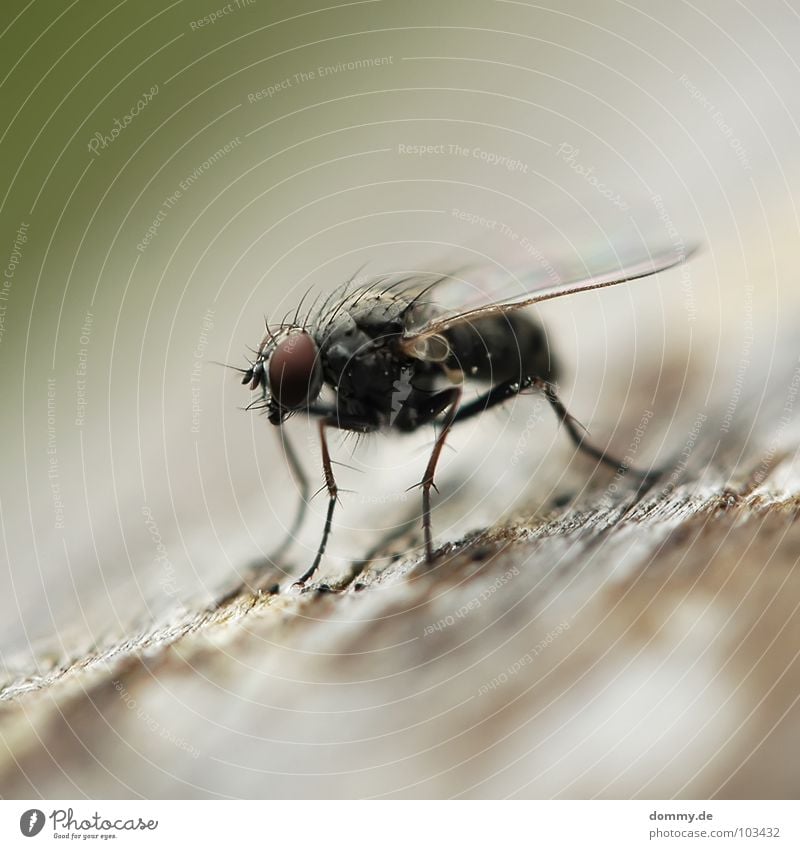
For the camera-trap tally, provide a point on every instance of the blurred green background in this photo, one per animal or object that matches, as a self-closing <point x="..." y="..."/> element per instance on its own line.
<point x="172" y="174"/>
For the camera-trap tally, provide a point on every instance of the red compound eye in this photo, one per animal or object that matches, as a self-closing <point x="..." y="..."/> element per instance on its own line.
<point x="294" y="371"/>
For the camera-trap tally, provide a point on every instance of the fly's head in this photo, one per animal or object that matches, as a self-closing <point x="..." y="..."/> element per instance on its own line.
<point x="287" y="370"/>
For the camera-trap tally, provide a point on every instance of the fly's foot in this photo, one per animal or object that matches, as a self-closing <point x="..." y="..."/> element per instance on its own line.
<point x="257" y="582"/>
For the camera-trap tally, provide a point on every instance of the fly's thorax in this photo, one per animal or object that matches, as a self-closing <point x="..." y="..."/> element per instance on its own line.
<point x="355" y="364"/>
<point x="363" y="361"/>
<point x="380" y="315"/>
<point x="358" y="337"/>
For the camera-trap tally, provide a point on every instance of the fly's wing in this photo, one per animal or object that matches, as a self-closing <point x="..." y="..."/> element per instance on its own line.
<point x="429" y="317"/>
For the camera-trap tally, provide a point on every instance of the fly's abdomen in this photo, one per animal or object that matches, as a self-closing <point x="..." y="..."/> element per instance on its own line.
<point x="501" y="348"/>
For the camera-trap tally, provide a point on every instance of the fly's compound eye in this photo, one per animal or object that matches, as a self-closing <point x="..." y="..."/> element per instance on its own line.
<point x="295" y="373"/>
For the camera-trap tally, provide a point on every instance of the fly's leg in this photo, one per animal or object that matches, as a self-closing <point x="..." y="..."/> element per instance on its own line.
<point x="510" y="388"/>
<point x="301" y="479"/>
<point x="578" y="436"/>
<point x="331" y="419"/>
<point x="258" y="575"/>
<point x="446" y="399"/>
<point x="333" y="495"/>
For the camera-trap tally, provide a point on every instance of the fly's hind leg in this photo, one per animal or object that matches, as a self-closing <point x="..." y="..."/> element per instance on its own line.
<point x="510" y="388"/>
<point x="578" y="436"/>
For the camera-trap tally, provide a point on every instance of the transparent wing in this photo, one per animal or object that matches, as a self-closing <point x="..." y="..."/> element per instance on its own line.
<point x="431" y="315"/>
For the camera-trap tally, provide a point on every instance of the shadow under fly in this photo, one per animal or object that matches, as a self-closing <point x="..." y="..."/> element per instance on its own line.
<point x="394" y="354"/>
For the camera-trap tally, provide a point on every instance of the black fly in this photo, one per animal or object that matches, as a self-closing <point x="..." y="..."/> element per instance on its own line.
<point x="394" y="357"/>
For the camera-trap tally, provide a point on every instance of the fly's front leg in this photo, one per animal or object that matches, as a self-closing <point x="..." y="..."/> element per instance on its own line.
<point x="260" y="575"/>
<point x="333" y="494"/>
<point x="299" y="475"/>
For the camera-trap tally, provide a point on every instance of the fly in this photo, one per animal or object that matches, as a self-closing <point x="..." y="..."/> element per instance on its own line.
<point x="391" y="355"/>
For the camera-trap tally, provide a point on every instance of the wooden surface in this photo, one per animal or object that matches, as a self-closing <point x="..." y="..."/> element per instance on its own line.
<point x="615" y="644"/>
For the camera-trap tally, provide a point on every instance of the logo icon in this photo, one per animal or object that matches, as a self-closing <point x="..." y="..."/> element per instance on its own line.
<point x="31" y="822"/>
<point x="401" y="389"/>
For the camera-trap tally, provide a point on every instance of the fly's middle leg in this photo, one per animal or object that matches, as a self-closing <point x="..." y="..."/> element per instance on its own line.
<point x="329" y="418"/>
<point x="447" y="399"/>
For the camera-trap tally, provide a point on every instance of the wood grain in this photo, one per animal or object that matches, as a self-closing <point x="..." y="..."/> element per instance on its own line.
<point x="621" y="644"/>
